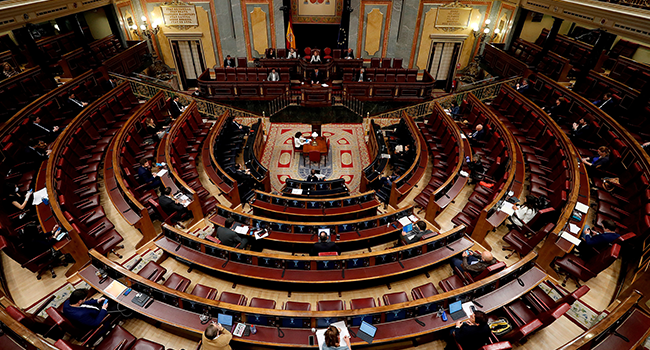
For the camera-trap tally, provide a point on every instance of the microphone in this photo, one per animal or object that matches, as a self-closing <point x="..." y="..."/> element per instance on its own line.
<point x="521" y="283"/>
<point x="226" y="263"/>
<point x="450" y="248"/>
<point x="477" y="303"/>
<point x="179" y="246"/>
<point x="419" y="322"/>
<point x="280" y="333"/>
<point x="621" y="336"/>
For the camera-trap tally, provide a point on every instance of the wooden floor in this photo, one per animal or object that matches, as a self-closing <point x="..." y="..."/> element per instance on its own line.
<point x="26" y="289"/>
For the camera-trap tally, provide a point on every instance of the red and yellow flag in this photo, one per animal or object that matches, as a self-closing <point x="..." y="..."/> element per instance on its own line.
<point x="291" y="39"/>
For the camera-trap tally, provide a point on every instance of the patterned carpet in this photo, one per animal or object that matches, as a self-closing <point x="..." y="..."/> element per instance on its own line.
<point x="348" y="154"/>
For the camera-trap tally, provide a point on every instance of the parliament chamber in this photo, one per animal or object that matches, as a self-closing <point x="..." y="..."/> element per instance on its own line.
<point x="331" y="174"/>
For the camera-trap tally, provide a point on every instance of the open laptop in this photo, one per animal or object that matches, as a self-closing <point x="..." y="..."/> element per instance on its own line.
<point x="225" y="320"/>
<point x="456" y="310"/>
<point x="366" y="332"/>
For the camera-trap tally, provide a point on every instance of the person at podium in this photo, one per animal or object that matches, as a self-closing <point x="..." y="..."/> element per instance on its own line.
<point x="316" y="76"/>
<point x="315" y="58"/>
<point x="349" y="55"/>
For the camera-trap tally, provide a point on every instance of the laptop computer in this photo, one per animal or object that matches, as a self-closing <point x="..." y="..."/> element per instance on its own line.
<point x="225" y="320"/>
<point x="366" y="332"/>
<point x="408" y="228"/>
<point x="456" y="310"/>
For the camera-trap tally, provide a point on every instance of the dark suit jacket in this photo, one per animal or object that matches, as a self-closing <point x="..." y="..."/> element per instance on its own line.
<point x="477" y="135"/>
<point x="417" y="235"/>
<point x="323" y="247"/>
<point x="580" y="132"/>
<point x="316" y="77"/>
<point x="44" y="131"/>
<point x="169" y="206"/>
<point x="601" y="239"/>
<point x="361" y="77"/>
<point x="472" y="337"/>
<point x="229" y="63"/>
<point x="349" y="54"/>
<point x="83" y="316"/>
<point x="228" y="237"/>
<point x="478" y="267"/>
<point x="312" y="178"/>
<point x="523" y="89"/>
<point x="175" y="109"/>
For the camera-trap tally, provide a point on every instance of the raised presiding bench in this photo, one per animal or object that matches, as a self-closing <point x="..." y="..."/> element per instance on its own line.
<point x="243" y="83"/>
<point x="299" y="236"/>
<point x="283" y="268"/>
<point x="396" y="322"/>
<point x="345" y="208"/>
<point x="328" y="188"/>
<point x="388" y="84"/>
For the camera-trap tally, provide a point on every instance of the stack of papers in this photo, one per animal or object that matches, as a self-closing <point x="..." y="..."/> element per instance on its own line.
<point x="115" y="289"/>
<point x="508" y="208"/>
<point x="573" y="228"/>
<point x="572" y="239"/>
<point x="261" y="234"/>
<point x="583" y="208"/>
<point x="39" y="195"/>
<point x="242" y="230"/>
<point x="296" y="191"/>
<point x="404" y="220"/>
<point x="161" y="173"/>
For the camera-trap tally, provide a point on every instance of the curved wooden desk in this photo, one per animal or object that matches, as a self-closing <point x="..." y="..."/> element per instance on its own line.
<point x="283" y="268"/>
<point x="181" y="310"/>
<point x="226" y="183"/>
<point x="376" y="148"/>
<point x="407" y="181"/>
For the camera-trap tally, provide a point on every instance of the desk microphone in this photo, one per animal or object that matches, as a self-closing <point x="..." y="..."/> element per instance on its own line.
<point x="450" y="248"/>
<point x="419" y="322"/>
<point x="354" y="335"/>
<point x="621" y="336"/>
<point x="477" y="303"/>
<point x="179" y="246"/>
<point x="226" y="263"/>
<point x="521" y="283"/>
<point x="280" y="332"/>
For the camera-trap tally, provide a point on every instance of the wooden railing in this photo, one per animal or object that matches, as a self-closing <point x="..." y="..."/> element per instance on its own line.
<point x="219" y="177"/>
<point x="401" y="187"/>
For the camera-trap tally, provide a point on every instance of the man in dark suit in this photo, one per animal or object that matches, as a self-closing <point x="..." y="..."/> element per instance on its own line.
<point x="170" y="205"/>
<point x="349" y="55"/>
<point x="229" y="62"/>
<point x="579" y="130"/>
<point x="605" y="103"/>
<point x="474" y="262"/>
<point x="324" y="246"/>
<point x="176" y="108"/>
<point x="472" y="333"/>
<point x="312" y="176"/>
<point x="146" y="177"/>
<point x="316" y="76"/>
<point x="76" y="104"/>
<point x="523" y="87"/>
<point x="419" y="230"/>
<point x="230" y="238"/>
<point x="84" y="312"/>
<point x="43" y="131"/>
<point x="362" y="76"/>
<point x="477" y="135"/>
<point x="596" y="240"/>
<point x="109" y="84"/>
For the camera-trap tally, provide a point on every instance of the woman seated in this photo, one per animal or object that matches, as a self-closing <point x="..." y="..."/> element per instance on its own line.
<point x="524" y="213"/>
<point x="292" y="53"/>
<point x="315" y="58"/>
<point x="299" y="140"/>
<point x="18" y="202"/>
<point x="333" y="342"/>
<point x="598" y="162"/>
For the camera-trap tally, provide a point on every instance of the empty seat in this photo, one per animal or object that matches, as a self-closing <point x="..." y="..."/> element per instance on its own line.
<point x="202" y="291"/>
<point x="144" y="344"/>
<point x="362" y="303"/>
<point x="330" y="305"/>
<point x="297" y="306"/>
<point x="262" y="303"/>
<point x="178" y="282"/>
<point x="423" y="291"/>
<point x="233" y="298"/>
<point x="116" y="337"/>
<point x="395" y="298"/>
<point x="153" y="271"/>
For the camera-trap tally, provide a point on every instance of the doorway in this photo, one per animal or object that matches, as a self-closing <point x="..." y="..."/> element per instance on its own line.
<point x="443" y="58"/>
<point x="188" y="56"/>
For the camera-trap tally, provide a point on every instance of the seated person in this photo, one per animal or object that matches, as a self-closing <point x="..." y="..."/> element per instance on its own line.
<point x="230" y="238"/>
<point x="8" y="71"/>
<point x="599" y="240"/>
<point x="348" y="55"/>
<point x="270" y="53"/>
<point x="229" y="62"/>
<point x="241" y="127"/>
<point x="273" y="76"/>
<point x="312" y="176"/>
<point x="176" y="108"/>
<point x="292" y="53"/>
<point x="152" y="129"/>
<point x="523" y="87"/>
<point x="454" y="110"/>
<point x="579" y="130"/>
<point x="472" y="333"/>
<point x="477" y="135"/>
<point x="477" y="169"/>
<point x="85" y="312"/>
<point x="40" y="130"/>
<point x="171" y="205"/>
<point x="316" y="77"/>
<point x="76" y="103"/>
<point x="388" y="180"/>
<point x="597" y="162"/>
<point x="524" y="213"/>
<point x="299" y="140"/>
<point x="146" y="177"/>
<point x="324" y="245"/>
<point x="17" y="202"/>
<point x="215" y="337"/>
<point x="315" y="58"/>
<point x="333" y="340"/>
<point x="35" y="152"/>
<point x="559" y="110"/>
<point x="362" y="76"/>
<point x="605" y="102"/>
<point x="419" y="230"/>
<point x="474" y="262"/>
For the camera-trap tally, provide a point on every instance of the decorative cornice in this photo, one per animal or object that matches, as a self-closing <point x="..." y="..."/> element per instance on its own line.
<point x="17" y="13"/>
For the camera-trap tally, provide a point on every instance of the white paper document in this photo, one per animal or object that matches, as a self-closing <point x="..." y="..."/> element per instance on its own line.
<point x="414" y="218"/>
<point x="404" y="220"/>
<point x="583" y="208"/>
<point x="385" y="156"/>
<point x="463" y="173"/>
<point x="261" y="234"/>
<point x="462" y="136"/>
<point x="39" y="195"/>
<point x="242" y="230"/>
<point x="343" y="331"/>
<point x="574" y="228"/>
<point x="467" y="308"/>
<point x="296" y="191"/>
<point x="161" y="173"/>
<point x="572" y="239"/>
<point x="508" y="208"/>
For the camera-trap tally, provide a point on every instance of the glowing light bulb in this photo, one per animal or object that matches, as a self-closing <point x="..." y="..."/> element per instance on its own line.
<point x="486" y="30"/>
<point x="488" y="21"/>
<point x="475" y="27"/>
<point x="143" y="18"/>
<point x="496" y="30"/>
<point x="143" y="27"/>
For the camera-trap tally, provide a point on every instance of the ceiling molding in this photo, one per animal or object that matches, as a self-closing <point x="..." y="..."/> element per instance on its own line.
<point x="17" y="13"/>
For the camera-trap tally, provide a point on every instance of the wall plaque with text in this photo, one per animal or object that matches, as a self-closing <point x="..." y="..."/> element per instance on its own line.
<point x="453" y="17"/>
<point x="179" y="15"/>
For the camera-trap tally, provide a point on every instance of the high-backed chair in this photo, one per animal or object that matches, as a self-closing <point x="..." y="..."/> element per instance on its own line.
<point x="46" y="327"/>
<point x="233" y="298"/>
<point x="580" y="270"/>
<point x="314" y="156"/>
<point x="336" y="53"/>
<point x="524" y="321"/>
<point x="307" y="52"/>
<point x="362" y="303"/>
<point x="153" y="272"/>
<point x="178" y="282"/>
<point x="242" y="62"/>
<point x="296" y="305"/>
<point x="385" y="62"/>
<point x="375" y="62"/>
<point x="330" y="305"/>
<point x="144" y="344"/>
<point x="202" y="291"/>
<point x="66" y="345"/>
<point x="82" y="334"/>
<point x="520" y="245"/>
<point x="424" y="291"/>
<point x="328" y="54"/>
<point x="116" y="338"/>
<point x="541" y="301"/>
<point x="397" y="63"/>
<point x="262" y="303"/>
<point x="395" y="298"/>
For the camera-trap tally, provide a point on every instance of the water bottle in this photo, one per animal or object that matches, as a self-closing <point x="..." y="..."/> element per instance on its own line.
<point x="253" y="329"/>
<point x="444" y="316"/>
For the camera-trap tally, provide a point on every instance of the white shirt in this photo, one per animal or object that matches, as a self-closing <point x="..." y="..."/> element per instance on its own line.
<point x="292" y="54"/>
<point x="273" y="76"/>
<point x="523" y="215"/>
<point x="315" y="58"/>
<point x="299" y="141"/>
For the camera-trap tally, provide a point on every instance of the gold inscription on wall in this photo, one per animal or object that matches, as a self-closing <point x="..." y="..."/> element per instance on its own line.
<point x="453" y="17"/>
<point x="179" y="15"/>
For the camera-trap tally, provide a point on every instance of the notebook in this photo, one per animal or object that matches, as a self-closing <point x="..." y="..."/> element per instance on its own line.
<point x="225" y="321"/>
<point x="366" y="332"/>
<point x="456" y="310"/>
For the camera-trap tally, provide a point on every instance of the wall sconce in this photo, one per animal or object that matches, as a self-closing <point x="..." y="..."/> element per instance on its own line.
<point x="486" y="30"/>
<point x="144" y="29"/>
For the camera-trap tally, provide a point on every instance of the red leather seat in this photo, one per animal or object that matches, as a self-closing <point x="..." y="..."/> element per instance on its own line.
<point x="262" y="303"/>
<point x="330" y="305"/>
<point x="144" y="344"/>
<point x="521" y="245"/>
<point x="395" y="298"/>
<point x="451" y="283"/>
<point x="362" y="303"/>
<point x="242" y="62"/>
<point x="503" y="345"/>
<point x="580" y="270"/>
<point x="423" y="291"/>
<point x="116" y="337"/>
<point x="153" y="271"/>
<point x="296" y="306"/>
<point x="178" y="282"/>
<point x="543" y="302"/>
<point x="202" y="291"/>
<point x="233" y="298"/>
<point x="66" y="345"/>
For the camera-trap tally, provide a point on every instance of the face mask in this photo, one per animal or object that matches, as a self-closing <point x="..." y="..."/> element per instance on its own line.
<point x="17" y="189"/>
